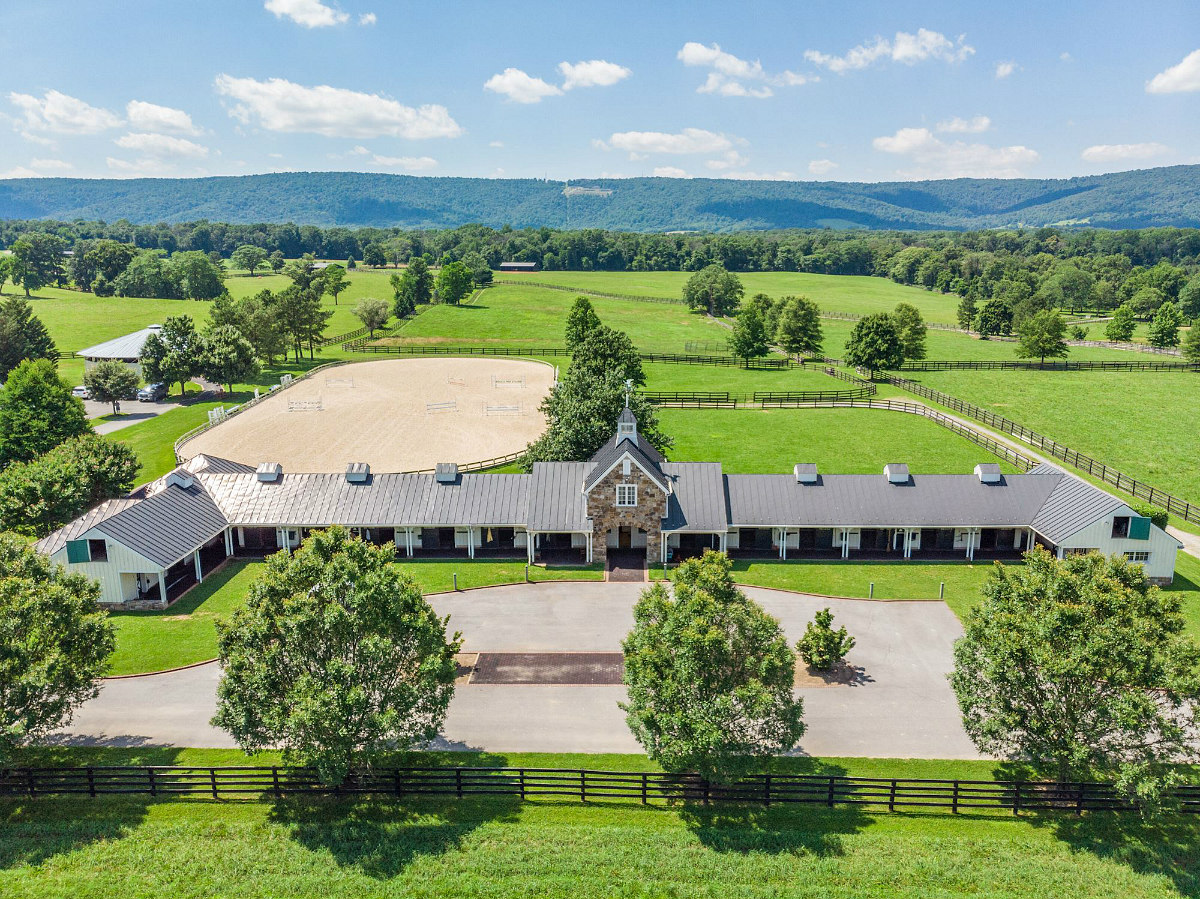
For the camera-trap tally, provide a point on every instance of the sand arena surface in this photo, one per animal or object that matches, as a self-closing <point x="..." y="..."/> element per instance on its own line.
<point x="383" y="418"/>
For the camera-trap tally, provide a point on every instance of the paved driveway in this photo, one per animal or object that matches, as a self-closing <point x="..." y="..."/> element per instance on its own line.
<point x="901" y="706"/>
<point x="132" y="412"/>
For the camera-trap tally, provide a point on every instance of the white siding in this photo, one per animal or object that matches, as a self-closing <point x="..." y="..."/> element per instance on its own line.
<point x="121" y="560"/>
<point x="1098" y="535"/>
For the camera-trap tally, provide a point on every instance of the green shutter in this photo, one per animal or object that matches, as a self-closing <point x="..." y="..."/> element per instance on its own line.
<point x="77" y="551"/>
<point x="1139" y="528"/>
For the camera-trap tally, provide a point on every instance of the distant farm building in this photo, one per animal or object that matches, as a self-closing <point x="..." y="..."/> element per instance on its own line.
<point x="518" y="266"/>
<point x="127" y="349"/>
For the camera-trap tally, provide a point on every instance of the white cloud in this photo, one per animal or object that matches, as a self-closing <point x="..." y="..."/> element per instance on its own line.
<point x="146" y="167"/>
<point x="731" y="160"/>
<point x="761" y="176"/>
<point x="1004" y="69"/>
<point x="1066" y="57"/>
<point x="496" y="144"/>
<point x="821" y="166"/>
<point x="143" y="116"/>
<point x="592" y="73"/>
<point x="904" y="47"/>
<point x="161" y="145"/>
<point x="38" y="168"/>
<point x="368" y="18"/>
<point x="935" y="158"/>
<point x="520" y="87"/>
<point x="60" y="114"/>
<point x="974" y="125"/>
<point x="689" y="140"/>
<point x="359" y="151"/>
<point x="309" y="13"/>
<point x="1178" y="79"/>
<point x="280" y="105"/>
<point x="670" y="171"/>
<point x="408" y="163"/>
<point x="729" y="72"/>
<point x="1121" y="152"/>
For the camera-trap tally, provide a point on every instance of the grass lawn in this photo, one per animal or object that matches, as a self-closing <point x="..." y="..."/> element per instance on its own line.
<point x="852" y="578"/>
<point x="732" y="379"/>
<point x="364" y="282"/>
<point x="131" y="847"/>
<point x="840" y="441"/>
<point x="1142" y="423"/>
<point x="186" y="632"/>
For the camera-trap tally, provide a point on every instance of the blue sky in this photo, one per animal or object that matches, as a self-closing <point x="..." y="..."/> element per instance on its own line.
<point x="857" y="91"/>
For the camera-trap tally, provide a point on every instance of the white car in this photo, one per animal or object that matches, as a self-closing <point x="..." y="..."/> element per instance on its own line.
<point x="82" y="392"/>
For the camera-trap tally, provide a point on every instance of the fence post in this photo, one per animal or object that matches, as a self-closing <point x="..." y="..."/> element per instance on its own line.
<point x="212" y="779"/>
<point x="521" y="777"/>
<point x="892" y="798"/>
<point x="30" y="782"/>
<point x="275" y="782"/>
<point x="954" y="799"/>
<point x="582" y="786"/>
<point x="1016" y="797"/>
<point x="153" y="785"/>
<point x="767" y="790"/>
<point x="1079" y="800"/>
<point x="396" y="782"/>
<point x="91" y="782"/>
<point x="645" y="788"/>
<point x="458" y="784"/>
<point x="829" y="798"/>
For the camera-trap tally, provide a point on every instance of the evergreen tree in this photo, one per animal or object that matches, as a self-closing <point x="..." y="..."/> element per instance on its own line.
<point x="22" y="336"/>
<point x="37" y="412"/>
<point x="1191" y="343"/>
<point x="967" y="311"/>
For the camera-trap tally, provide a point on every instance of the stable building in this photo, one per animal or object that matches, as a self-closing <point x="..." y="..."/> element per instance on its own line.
<point x="127" y="349"/>
<point x="147" y="549"/>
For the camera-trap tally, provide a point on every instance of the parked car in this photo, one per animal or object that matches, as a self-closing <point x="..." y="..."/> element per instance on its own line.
<point x="81" y="392"/>
<point x="152" y="393"/>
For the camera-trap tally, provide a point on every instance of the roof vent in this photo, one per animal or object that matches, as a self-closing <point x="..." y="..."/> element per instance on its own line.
<point x="988" y="473"/>
<point x="358" y="472"/>
<point x="896" y="473"/>
<point x="446" y="472"/>
<point x="180" y="478"/>
<point x="269" y="472"/>
<point x="806" y="472"/>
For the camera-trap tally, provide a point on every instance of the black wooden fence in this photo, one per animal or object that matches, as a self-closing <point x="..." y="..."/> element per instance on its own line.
<point x="1049" y="365"/>
<point x="582" y="784"/>
<point x="759" y="399"/>
<point x="424" y="349"/>
<point x="1173" y="504"/>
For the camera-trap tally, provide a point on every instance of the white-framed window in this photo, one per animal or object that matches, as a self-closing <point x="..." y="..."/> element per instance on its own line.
<point x="627" y="495"/>
<point x="1141" y="557"/>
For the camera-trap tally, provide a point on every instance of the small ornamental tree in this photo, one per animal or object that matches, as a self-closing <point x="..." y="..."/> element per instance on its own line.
<point x="228" y="357"/>
<point x="713" y="289"/>
<point x="335" y="280"/>
<point x="111" y="381"/>
<point x="54" y="644"/>
<point x="37" y="412"/>
<point x="874" y="344"/>
<point x="709" y="675"/>
<point x="911" y="328"/>
<point x="799" y="331"/>
<point x="822" y="647"/>
<point x="373" y="313"/>
<point x="1083" y="669"/>
<point x="749" y="338"/>
<point x="1164" y="330"/>
<point x="1121" y="326"/>
<point x="336" y="657"/>
<point x="581" y="321"/>
<point x="1042" y="334"/>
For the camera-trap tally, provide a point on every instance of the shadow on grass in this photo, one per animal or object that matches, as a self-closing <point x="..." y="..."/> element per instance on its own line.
<point x="191" y="601"/>
<point x="779" y="828"/>
<point x="33" y="831"/>
<point x="381" y="837"/>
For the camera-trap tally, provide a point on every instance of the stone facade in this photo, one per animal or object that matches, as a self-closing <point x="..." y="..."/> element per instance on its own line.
<point x="648" y="514"/>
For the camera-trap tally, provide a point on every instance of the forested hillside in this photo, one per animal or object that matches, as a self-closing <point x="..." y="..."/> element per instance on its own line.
<point x="1151" y="197"/>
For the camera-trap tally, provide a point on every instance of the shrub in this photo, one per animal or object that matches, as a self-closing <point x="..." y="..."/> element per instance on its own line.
<point x="822" y="647"/>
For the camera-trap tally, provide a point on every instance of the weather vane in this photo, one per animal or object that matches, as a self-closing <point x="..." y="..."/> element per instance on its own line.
<point x="628" y="390"/>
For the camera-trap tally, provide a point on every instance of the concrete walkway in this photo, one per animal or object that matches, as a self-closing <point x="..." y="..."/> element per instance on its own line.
<point x="900" y="705"/>
<point x="132" y="413"/>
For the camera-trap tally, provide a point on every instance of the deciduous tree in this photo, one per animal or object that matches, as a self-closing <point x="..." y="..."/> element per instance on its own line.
<point x="336" y="657"/>
<point x="994" y="318"/>
<point x="822" y="647"/>
<point x="22" y="336"/>
<point x="713" y="289"/>
<point x="1121" y="326"/>
<point x="749" y="338"/>
<point x="1164" y="330"/>
<point x="1082" y="668"/>
<point x="335" y="280"/>
<point x="373" y="313"/>
<point x="110" y="381"/>
<point x="1191" y="343"/>
<point x="581" y="321"/>
<point x="37" y="260"/>
<point x="709" y="675"/>
<point x="1042" y="335"/>
<point x="911" y="328"/>
<point x="249" y="257"/>
<point x="454" y="282"/>
<point x="174" y="354"/>
<point x="227" y="357"/>
<point x="874" y="344"/>
<point x="37" y="412"/>
<point x="799" y="332"/>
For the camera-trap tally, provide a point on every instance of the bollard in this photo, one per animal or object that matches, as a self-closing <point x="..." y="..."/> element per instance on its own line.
<point x="527" y="572"/>
<point x="456" y="582"/>
<point x="942" y="591"/>
<point x="871" y="592"/>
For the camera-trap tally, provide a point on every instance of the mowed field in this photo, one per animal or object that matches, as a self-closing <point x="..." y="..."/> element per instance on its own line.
<point x="502" y="848"/>
<point x="1143" y="423"/>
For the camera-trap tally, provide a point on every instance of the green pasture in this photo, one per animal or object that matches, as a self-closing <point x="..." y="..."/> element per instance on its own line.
<point x="735" y="379"/>
<point x="1142" y="423"/>
<point x="499" y="847"/>
<point x="842" y="441"/>
<point x="894" y="579"/>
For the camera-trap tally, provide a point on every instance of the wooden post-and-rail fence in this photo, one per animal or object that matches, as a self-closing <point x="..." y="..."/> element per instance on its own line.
<point x="262" y="782"/>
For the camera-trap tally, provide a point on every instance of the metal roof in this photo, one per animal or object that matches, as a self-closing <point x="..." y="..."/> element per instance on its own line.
<point x="52" y="543"/>
<point x="647" y="458"/>
<point x="215" y="464"/>
<point x="126" y="347"/>
<point x="931" y="500"/>
<point x="556" y="500"/>
<point x="168" y="525"/>
<point x="1071" y="506"/>
<point x="697" y="499"/>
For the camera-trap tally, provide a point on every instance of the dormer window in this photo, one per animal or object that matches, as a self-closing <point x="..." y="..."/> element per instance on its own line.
<point x="626" y="495"/>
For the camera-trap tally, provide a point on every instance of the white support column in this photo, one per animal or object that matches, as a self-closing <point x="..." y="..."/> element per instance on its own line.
<point x="845" y="543"/>
<point x="908" y="543"/>
<point x="783" y="545"/>
<point x="228" y="542"/>
<point x="470" y="543"/>
<point x="973" y="542"/>
<point x="199" y="570"/>
<point x="162" y="585"/>
<point x="724" y="541"/>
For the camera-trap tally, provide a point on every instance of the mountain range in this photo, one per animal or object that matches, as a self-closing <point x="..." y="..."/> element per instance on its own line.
<point x="1136" y="199"/>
